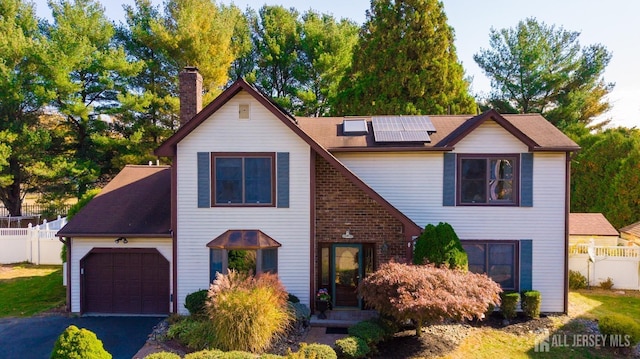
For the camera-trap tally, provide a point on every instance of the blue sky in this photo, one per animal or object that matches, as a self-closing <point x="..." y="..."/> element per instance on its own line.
<point x="613" y="23"/>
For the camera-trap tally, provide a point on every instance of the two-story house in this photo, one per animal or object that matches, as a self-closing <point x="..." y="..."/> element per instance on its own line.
<point x="322" y="202"/>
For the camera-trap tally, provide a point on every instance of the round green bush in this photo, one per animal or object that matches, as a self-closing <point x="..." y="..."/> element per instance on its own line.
<point x="318" y="351"/>
<point x="577" y="280"/>
<point x="162" y="355"/>
<point x="616" y="324"/>
<point x="509" y="303"/>
<point x="300" y="311"/>
<point x="352" y="348"/>
<point x="371" y="332"/>
<point x="292" y="298"/>
<point x="76" y="343"/>
<point x="196" y="302"/>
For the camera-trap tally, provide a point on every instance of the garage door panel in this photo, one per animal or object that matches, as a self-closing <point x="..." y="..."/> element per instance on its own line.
<point x="131" y="281"/>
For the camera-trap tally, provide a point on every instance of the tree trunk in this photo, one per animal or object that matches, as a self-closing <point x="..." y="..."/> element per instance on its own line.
<point x="10" y="195"/>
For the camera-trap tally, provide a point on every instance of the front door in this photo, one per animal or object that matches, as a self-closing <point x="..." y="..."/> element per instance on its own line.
<point x="346" y="274"/>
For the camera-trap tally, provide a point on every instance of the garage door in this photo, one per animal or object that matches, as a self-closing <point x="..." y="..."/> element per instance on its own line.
<point x="124" y="281"/>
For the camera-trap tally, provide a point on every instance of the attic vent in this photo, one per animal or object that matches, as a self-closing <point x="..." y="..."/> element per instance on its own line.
<point x="354" y="127"/>
<point x="402" y="128"/>
<point x="244" y="111"/>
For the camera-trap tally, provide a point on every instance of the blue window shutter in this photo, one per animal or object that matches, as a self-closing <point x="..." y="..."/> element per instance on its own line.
<point x="449" y="180"/>
<point x="526" y="180"/>
<point x="526" y="264"/>
<point x="282" y="179"/>
<point x="216" y="261"/>
<point x="204" y="181"/>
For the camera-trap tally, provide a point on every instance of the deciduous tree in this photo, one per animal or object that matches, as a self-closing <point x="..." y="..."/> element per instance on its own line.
<point x="426" y="294"/>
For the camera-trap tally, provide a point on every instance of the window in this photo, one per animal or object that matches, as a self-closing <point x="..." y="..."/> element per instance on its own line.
<point x="497" y="259"/>
<point x="243" y="251"/>
<point x="487" y="180"/>
<point x="243" y="179"/>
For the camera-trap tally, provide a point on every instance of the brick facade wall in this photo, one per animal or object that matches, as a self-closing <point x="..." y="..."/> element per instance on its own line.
<point x="341" y="205"/>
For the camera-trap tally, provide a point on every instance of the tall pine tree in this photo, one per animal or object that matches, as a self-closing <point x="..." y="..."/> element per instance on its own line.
<point x="405" y="63"/>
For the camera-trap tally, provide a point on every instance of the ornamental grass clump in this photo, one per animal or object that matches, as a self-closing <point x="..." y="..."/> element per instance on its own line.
<point x="247" y="313"/>
<point x="426" y="294"/>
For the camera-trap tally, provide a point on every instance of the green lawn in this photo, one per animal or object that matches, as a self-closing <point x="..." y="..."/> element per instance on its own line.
<point x="27" y="289"/>
<point x="588" y="304"/>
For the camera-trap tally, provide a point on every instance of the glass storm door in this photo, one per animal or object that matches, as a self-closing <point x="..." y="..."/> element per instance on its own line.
<point x="346" y="274"/>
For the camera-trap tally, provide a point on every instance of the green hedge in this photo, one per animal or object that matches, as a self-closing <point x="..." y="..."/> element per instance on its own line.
<point x="531" y="301"/>
<point x="196" y="302"/>
<point x="509" y="303"/>
<point x="369" y="331"/>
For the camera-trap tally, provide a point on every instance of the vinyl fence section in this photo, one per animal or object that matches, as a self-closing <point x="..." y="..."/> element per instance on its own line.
<point x="35" y="244"/>
<point x="621" y="264"/>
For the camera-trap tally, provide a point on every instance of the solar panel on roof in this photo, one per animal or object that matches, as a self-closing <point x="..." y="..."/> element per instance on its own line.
<point x="402" y="128"/>
<point x="354" y="127"/>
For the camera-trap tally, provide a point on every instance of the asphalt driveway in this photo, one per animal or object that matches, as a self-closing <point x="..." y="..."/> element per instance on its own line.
<point x="33" y="338"/>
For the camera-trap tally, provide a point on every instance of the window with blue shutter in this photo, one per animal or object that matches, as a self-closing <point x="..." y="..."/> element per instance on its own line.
<point x="204" y="181"/>
<point x="282" y="178"/>
<point x="526" y="180"/>
<point x="216" y="263"/>
<point x="526" y="264"/>
<point x="449" y="180"/>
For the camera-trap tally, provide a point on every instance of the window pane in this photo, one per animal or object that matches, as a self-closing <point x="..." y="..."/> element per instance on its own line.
<point x="215" y="262"/>
<point x="476" y="254"/>
<point x="325" y="265"/>
<point x="502" y="264"/>
<point x="257" y="180"/>
<point x="501" y="180"/>
<point x="228" y="180"/>
<point x="242" y="260"/>
<point x="270" y="260"/>
<point x="473" y="181"/>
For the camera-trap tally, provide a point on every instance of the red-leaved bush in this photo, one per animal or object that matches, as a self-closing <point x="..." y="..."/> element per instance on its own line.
<point x="426" y="294"/>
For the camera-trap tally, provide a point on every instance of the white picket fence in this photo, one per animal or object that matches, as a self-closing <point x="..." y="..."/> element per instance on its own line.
<point x="598" y="263"/>
<point x="35" y="244"/>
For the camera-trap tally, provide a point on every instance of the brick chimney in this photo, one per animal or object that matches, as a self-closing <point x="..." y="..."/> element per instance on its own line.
<point x="190" y="93"/>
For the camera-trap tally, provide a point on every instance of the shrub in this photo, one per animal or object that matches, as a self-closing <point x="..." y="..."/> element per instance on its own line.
<point x="530" y="303"/>
<point x="292" y="298"/>
<point x="607" y="284"/>
<point x="247" y="313"/>
<point x="352" y="347"/>
<point x="76" y="343"/>
<point x="192" y="332"/>
<point x="617" y="324"/>
<point x="271" y="356"/>
<point x="440" y="245"/>
<point x="426" y="294"/>
<point x="317" y="351"/>
<point x="370" y="331"/>
<point x="205" y="354"/>
<point x="196" y="302"/>
<point x="162" y="355"/>
<point x="509" y="304"/>
<point x="577" y="280"/>
<point x="300" y="311"/>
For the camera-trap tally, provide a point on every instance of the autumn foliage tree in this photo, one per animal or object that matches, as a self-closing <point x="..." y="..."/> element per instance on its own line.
<point x="427" y="294"/>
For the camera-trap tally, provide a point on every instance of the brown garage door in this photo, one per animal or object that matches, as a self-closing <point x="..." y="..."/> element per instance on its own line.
<point x="124" y="281"/>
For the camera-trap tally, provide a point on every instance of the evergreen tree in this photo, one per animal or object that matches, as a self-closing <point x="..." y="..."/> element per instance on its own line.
<point x="406" y="63"/>
<point x="440" y="245"/>
<point x="539" y="68"/>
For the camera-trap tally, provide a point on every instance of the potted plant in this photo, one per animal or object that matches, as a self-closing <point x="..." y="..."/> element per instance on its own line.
<point x="323" y="302"/>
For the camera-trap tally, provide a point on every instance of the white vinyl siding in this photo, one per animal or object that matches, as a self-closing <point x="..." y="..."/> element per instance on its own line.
<point x="196" y="227"/>
<point x="413" y="183"/>
<point x="81" y="246"/>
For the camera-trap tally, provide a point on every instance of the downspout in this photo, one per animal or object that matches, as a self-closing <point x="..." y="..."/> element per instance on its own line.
<point x="66" y="241"/>
<point x="567" y="209"/>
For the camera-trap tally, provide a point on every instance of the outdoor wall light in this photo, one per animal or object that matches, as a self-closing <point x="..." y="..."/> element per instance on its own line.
<point x="122" y="239"/>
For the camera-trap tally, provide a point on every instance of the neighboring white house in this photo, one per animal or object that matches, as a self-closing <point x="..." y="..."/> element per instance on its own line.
<point x="324" y="201"/>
